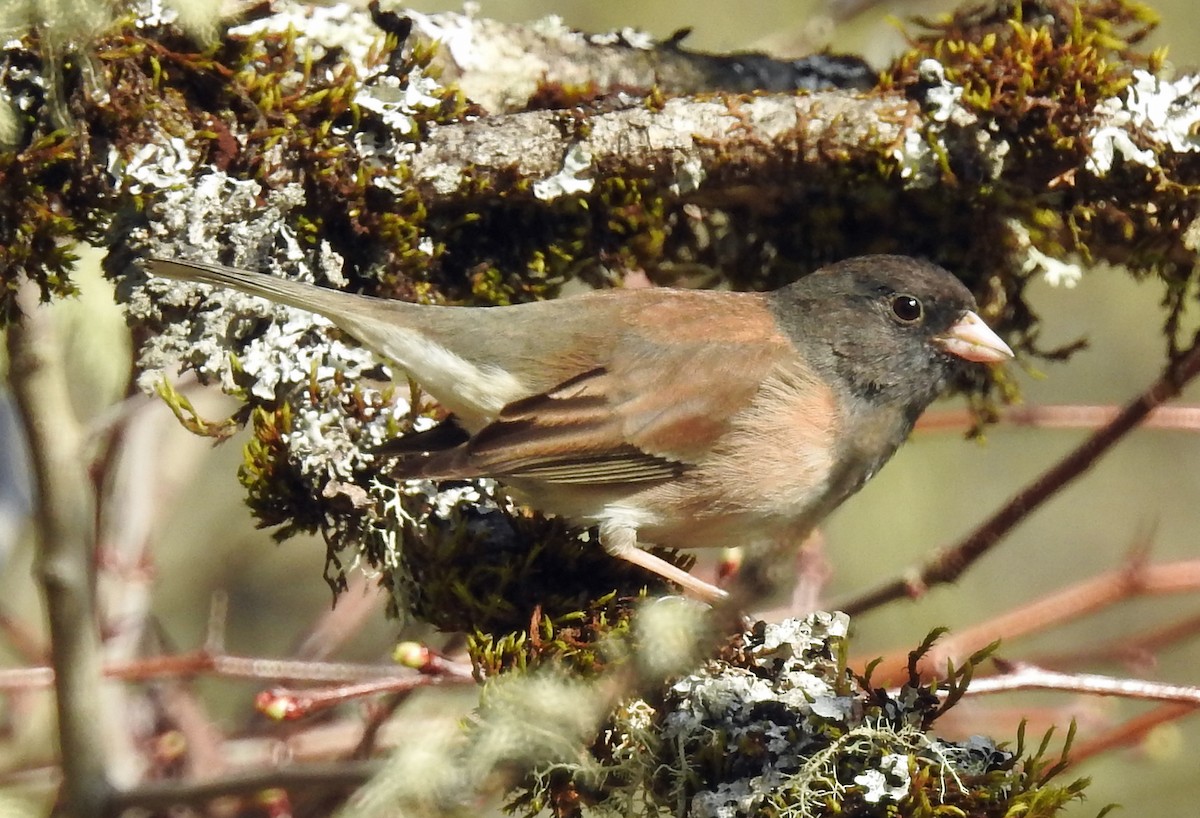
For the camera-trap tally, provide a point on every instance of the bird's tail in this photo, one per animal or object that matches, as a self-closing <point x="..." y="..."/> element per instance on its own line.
<point x="333" y="304"/>
<point x="437" y="346"/>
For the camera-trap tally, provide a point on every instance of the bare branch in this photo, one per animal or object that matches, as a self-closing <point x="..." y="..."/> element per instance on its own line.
<point x="339" y="777"/>
<point x="1170" y="418"/>
<point x="1130" y="731"/>
<point x="284" y="704"/>
<point x="1137" y="649"/>
<point x="66" y="542"/>
<point x="1074" y="602"/>
<point x="202" y="662"/>
<point x="1023" y="676"/>
<point x="506" y="67"/>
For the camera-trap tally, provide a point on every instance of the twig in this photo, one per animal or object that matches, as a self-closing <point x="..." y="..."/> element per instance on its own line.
<point x="26" y="678"/>
<point x="377" y="717"/>
<point x="1172" y="418"/>
<point x="1130" y="731"/>
<point x="1089" y="714"/>
<point x="36" y="776"/>
<point x="1024" y="676"/>
<point x="286" y="704"/>
<point x="201" y="662"/>
<point x="21" y="638"/>
<point x="363" y="599"/>
<point x="332" y="777"/>
<point x="64" y="509"/>
<point x="1136" y="649"/>
<point x="207" y="749"/>
<point x="1081" y="599"/>
<point x="948" y="564"/>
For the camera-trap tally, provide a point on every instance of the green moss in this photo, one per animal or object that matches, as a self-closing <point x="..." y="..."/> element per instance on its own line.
<point x="275" y="489"/>
<point x="1043" y="64"/>
<point x="494" y="571"/>
<point x="190" y="419"/>
<point x="513" y="248"/>
<point x="580" y="641"/>
<point x="1034" y="72"/>
<point x="37" y="225"/>
<point x="770" y="728"/>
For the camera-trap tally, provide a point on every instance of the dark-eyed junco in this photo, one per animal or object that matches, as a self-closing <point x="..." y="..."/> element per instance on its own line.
<point x="681" y="418"/>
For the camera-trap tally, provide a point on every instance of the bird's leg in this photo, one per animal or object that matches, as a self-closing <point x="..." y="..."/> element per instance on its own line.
<point x="621" y="542"/>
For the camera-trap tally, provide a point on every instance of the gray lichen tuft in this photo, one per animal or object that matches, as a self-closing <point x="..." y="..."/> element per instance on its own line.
<point x="777" y="726"/>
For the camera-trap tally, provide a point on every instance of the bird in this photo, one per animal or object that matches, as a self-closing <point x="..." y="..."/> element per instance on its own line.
<point x="673" y="417"/>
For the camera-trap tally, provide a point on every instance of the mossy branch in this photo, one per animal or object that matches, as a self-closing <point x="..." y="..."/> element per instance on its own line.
<point x="712" y="150"/>
<point x="1010" y="142"/>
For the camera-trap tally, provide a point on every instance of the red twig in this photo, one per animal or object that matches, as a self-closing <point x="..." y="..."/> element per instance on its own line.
<point x="1130" y="731"/>
<point x="198" y="663"/>
<point x="1135" y="578"/>
<point x="1173" y="418"/>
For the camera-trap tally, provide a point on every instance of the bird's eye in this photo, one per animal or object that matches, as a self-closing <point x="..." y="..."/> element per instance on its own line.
<point x="907" y="309"/>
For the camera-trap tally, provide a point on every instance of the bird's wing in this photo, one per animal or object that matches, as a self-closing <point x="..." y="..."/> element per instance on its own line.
<point x="570" y="434"/>
<point x="667" y="393"/>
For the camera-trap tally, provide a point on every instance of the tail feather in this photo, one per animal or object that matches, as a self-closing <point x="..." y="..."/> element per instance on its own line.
<point x="427" y="342"/>
<point x="451" y="464"/>
<point x="446" y="435"/>
<point x="333" y="304"/>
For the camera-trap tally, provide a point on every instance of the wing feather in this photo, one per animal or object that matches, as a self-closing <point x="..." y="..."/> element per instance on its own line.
<point x="675" y="379"/>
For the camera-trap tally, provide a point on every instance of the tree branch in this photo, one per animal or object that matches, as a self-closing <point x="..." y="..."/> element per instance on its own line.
<point x="506" y="67"/>
<point x="1024" y="676"/>
<point x="203" y="662"/>
<point x="1071" y="603"/>
<point x="1074" y="416"/>
<point x="337" y="777"/>
<point x="66" y="542"/>
<point x="728" y="144"/>
<point x="1129" y="732"/>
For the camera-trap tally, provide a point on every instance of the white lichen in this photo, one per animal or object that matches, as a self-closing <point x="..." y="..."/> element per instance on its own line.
<point x="689" y="175"/>
<point x="320" y="29"/>
<point x="396" y="102"/>
<point x="943" y="99"/>
<point x="1055" y="272"/>
<point x="552" y="27"/>
<point x="878" y="784"/>
<point x="157" y="165"/>
<point x="734" y="740"/>
<point x="917" y="154"/>
<point x="627" y="36"/>
<point x="23" y="88"/>
<point x="1153" y="114"/>
<point x="567" y="181"/>
<point x="455" y="32"/>
<point x="494" y="69"/>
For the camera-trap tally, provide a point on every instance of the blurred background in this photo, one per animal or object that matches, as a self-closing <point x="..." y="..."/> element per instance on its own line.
<point x="1147" y="492"/>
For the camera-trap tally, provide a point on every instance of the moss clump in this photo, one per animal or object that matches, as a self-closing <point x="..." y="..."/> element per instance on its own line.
<point x="529" y="590"/>
<point x="36" y="228"/>
<point x="775" y="727"/>
<point x="1033" y="78"/>
<point x="1034" y="67"/>
<point x="511" y="247"/>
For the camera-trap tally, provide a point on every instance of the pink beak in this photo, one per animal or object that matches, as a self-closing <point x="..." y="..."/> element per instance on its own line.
<point x="973" y="340"/>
